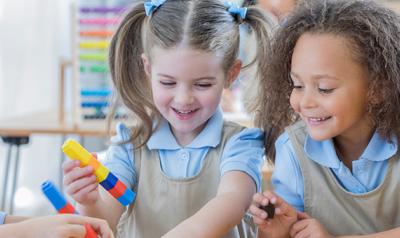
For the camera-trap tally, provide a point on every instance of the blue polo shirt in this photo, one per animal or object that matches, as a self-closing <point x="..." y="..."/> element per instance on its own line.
<point x="367" y="172"/>
<point x="242" y="152"/>
<point x="2" y="217"/>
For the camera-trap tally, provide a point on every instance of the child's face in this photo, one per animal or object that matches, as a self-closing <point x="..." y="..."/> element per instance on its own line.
<point x="330" y="88"/>
<point x="187" y="87"/>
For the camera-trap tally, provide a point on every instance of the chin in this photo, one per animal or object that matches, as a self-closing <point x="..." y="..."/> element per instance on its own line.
<point x="318" y="136"/>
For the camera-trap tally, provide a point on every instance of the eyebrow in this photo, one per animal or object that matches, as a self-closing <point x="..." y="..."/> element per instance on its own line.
<point x="201" y="78"/>
<point x="317" y="76"/>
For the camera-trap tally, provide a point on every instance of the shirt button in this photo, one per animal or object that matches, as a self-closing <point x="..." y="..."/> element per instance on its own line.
<point x="185" y="155"/>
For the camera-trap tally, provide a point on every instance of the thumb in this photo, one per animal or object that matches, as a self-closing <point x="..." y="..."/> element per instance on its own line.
<point x="302" y="216"/>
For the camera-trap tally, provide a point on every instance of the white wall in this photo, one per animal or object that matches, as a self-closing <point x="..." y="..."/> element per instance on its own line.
<point x="34" y="35"/>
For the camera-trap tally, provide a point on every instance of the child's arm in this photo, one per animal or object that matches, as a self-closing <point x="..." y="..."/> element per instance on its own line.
<point x="66" y="225"/>
<point x="221" y="213"/>
<point x="91" y="200"/>
<point x="310" y="227"/>
<point x="13" y="219"/>
<point x="394" y="233"/>
<point x="278" y="226"/>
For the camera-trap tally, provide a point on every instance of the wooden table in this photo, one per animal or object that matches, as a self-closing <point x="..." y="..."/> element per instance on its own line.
<point x="16" y="132"/>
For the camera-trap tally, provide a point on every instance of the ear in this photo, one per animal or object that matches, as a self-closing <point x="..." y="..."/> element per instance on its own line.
<point x="146" y="65"/>
<point x="233" y="73"/>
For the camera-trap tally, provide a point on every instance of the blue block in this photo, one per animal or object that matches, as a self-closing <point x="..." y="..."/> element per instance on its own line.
<point x="109" y="182"/>
<point x="55" y="197"/>
<point x="127" y="198"/>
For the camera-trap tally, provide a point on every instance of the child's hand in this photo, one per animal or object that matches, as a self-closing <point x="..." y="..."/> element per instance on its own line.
<point x="308" y="227"/>
<point x="279" y="225"/>
<point x="80" y="182"/>
<point x="65" y="225"/>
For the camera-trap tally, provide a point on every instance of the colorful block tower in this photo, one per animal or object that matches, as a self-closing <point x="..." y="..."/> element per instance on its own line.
<point x="106" y="179"/>
<point x="62" y="205"/>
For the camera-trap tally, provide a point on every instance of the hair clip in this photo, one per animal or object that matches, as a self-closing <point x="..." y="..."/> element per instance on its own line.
<point x="235" y="10"/>
<point x="151" y="6"/>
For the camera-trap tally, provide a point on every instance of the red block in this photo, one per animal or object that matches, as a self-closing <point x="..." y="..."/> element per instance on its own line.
<point x="68" y="209"/>
<point x="90" y="233"/>
<point x="118" y="190"/>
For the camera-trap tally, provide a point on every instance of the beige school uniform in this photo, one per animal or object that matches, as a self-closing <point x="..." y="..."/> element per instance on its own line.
<point x="342" y="212"/>
<point x="163" y="202"/>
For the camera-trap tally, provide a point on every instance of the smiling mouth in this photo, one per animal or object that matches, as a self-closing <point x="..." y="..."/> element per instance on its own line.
<point x="318" y="119"/>
<point x="184" y="112"/>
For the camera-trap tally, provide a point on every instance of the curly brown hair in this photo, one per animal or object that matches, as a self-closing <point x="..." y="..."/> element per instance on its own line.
<point x="373" y="35"/>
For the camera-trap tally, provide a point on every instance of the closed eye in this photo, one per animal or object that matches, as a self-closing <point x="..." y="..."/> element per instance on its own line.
<point x="326" y="90"/>
<point x="167" y="83"/>
<point x="203" y="85"/>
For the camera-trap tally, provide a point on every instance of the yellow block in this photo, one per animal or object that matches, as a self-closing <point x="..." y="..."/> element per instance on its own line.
<point x="76" y="152"/>
<point x="101" y="173"/>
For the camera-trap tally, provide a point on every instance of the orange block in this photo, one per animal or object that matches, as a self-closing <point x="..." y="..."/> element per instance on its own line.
<point x="94" y="163"/>
<point x="118" y="190"/>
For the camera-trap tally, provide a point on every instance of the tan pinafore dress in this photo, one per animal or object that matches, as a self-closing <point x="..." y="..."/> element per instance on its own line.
<point x="342" y="212"/>
<point x="163" y="202"/>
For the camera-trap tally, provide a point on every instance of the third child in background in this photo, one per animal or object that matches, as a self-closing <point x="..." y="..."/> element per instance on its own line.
<point x="193" y="172"/>
<point x="333" y="93"/>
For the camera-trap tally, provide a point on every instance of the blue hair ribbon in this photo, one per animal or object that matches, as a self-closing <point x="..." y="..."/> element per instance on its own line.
<point x="234" y="9"/>
<point x="151" y="6"/>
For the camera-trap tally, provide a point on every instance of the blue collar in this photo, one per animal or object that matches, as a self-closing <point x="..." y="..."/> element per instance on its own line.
<point x="210" y="136"/>
<point x="323" y="152"/>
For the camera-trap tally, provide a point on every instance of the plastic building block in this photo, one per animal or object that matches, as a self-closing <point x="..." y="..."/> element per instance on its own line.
<point x="57" y="199"/>
<point x="62" y="206"/>
<point x="109" y="182"/>
<point x="103" y="176"/>
<point x="101" y="173"/>
<point x="118" y="190"/>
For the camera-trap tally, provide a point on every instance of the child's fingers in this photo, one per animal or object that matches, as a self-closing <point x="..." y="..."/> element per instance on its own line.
<point x="77" y="231"/>
<point x="260" y="222"/>
<point x="269" y="194"/>
<point x="302" y="234"/>
<point x="303" y="215"/>
<point x="77" y="173"/>
<point x="80" y="185"/>
<point x="83" y="193"/>
<point x="298" y="227"/>
<point x="69" y="165"/>
<point x="99" y="225"/>
<point x="281" y="206"/>
<point x="260" y="199"/>
<point x="257" y="212"/>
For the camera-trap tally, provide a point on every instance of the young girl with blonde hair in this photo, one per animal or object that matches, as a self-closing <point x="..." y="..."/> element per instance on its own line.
<point x="194" y="173"/>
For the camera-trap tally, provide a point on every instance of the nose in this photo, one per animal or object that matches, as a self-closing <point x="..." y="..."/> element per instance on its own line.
<point x="184" y="96"/>
<point x="308" y="99"/>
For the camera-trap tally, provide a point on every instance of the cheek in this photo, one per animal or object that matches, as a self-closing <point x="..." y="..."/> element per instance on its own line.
<point x="294" y="101"/>
<point x="160" y="95"/>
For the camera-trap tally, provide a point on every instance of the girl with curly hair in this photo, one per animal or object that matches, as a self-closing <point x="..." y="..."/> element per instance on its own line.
<point x="330" y="105"/>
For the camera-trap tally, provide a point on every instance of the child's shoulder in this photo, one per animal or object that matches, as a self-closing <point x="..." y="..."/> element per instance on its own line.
<point x="232" y="124"/>
<point x="298" y="128"/>
<point x="298" y="125"/>
<point x="122" y="133"/>
<point x="236" y="131"/>
<point x="236" y="127"/>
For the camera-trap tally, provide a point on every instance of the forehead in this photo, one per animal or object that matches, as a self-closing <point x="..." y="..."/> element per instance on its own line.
<point x="185" y="58"/>
<point x="324" y="52"/>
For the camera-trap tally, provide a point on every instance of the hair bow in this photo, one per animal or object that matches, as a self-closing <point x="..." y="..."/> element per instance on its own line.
<point x="234" y="9"/>
<point x="151" y="6"/>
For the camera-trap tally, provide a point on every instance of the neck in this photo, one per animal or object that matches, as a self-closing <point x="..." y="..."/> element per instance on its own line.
<point x="350" y="149"/>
